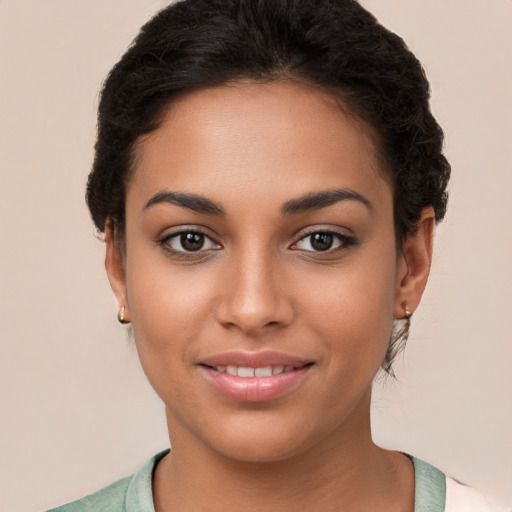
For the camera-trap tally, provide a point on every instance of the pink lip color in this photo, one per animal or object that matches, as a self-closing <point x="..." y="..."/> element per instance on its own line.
<point x="254" y="389"/>
<point x="253" y="359"/>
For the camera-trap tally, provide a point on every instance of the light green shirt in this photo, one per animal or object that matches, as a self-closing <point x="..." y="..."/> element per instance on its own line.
<point x="134" y="493"/>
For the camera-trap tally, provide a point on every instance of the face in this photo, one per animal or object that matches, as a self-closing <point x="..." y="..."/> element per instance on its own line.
<point x="261" y="273"/>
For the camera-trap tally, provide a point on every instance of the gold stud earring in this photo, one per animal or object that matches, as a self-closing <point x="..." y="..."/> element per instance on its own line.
<point x="123" y="317"/>
<point x="408" y="314"/>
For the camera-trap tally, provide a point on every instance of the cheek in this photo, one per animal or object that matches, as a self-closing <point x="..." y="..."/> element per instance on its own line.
<point x="352" y="312"/>
<point x="169" y="306"/>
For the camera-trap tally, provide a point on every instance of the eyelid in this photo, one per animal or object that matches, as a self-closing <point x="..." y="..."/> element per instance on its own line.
<point x="181" y="230"/>
<point x="344" y="239"/>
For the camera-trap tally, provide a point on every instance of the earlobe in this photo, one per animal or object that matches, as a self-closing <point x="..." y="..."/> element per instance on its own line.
<point x="414" y="265"/>
<point x="115" y="269"/>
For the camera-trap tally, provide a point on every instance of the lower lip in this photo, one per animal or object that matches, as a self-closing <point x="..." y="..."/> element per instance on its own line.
<point x="255" y="389"/>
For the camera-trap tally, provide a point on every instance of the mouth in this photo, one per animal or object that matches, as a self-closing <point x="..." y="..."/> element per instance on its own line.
<point x="259" y="371"/>
<point x="255" y="377"/>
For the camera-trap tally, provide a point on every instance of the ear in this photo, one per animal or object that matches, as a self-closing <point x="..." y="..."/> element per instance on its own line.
<point x="413" y="265"/>
<point x="115" y="269"/>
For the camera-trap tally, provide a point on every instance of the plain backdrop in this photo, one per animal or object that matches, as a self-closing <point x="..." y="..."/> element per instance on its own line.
<point x="77" y="412"/>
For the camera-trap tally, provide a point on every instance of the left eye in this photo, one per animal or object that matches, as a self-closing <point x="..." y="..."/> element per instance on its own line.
<point x="190" y="241"/>
<point x="321" y="241"/>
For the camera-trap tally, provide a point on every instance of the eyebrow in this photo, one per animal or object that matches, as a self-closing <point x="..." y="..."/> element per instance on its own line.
<point x="305" y="203"/>
<point x="194" y="202"/>
<point x="321" y="199"/>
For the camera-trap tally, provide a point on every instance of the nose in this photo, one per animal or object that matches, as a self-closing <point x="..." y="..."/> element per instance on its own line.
<point x="254" y="295"/>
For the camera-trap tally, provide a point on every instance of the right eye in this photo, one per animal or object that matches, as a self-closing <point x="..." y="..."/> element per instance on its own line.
<point x="189" y="241"/>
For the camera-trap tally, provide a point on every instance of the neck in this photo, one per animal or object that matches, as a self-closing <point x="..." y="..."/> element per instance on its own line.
<point x="346" y="471"/>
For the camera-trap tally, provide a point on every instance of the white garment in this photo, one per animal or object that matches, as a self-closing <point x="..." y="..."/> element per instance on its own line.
<point x="461" y="498"/>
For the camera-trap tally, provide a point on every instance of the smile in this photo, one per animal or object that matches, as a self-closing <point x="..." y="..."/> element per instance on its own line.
<point x="254" y="377"/>
<point x="247" y="371"/>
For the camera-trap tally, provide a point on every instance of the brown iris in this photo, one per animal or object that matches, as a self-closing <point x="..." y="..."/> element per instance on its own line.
<point x="322" y="241"/>
<point x="192" y="241"/>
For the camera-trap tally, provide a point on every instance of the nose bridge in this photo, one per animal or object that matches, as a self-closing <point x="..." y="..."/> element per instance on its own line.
<point x="253" y="297"/>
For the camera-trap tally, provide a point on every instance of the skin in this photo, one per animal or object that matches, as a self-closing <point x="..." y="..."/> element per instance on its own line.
<point x="259" y="284"/>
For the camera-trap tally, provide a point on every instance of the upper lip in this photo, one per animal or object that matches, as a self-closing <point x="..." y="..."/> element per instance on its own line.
<point x="254" y="359"/>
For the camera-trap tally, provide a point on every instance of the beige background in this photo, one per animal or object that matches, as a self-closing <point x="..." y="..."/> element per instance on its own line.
<point x="77" y="412"/>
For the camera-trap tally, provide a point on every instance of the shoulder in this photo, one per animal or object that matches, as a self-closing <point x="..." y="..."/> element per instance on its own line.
<point x="461" y="498"/>
<point x="130" y="494"/>
<point x="108" y="499"/>
<point x="437" y="492"/>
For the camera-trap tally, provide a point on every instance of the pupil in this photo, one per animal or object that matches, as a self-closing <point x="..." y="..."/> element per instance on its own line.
<point x="321" y="241"/>
<point x="192" y="241"/>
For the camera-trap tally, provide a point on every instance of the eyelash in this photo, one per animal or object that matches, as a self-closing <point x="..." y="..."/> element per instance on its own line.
<point x="344" y="242"/>
<point x="165" y="242"/>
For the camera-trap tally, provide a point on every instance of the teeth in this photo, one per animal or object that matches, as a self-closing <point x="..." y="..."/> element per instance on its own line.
<point x="243" y="371"/>
<point x="266" y="371"/>
<point x="247" y="371"/>
<point x="232" y="370"/>
<point x="277" y="370"/>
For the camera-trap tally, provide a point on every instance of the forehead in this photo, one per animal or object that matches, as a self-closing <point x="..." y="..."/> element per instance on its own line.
<point x="271" y="138"/>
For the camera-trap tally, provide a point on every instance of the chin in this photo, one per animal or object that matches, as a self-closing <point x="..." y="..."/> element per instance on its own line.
<point x="254" y="441"/>
<point x="261" y="451"/>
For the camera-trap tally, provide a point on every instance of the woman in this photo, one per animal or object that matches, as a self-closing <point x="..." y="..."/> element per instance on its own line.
<point x="267" y="176"/>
